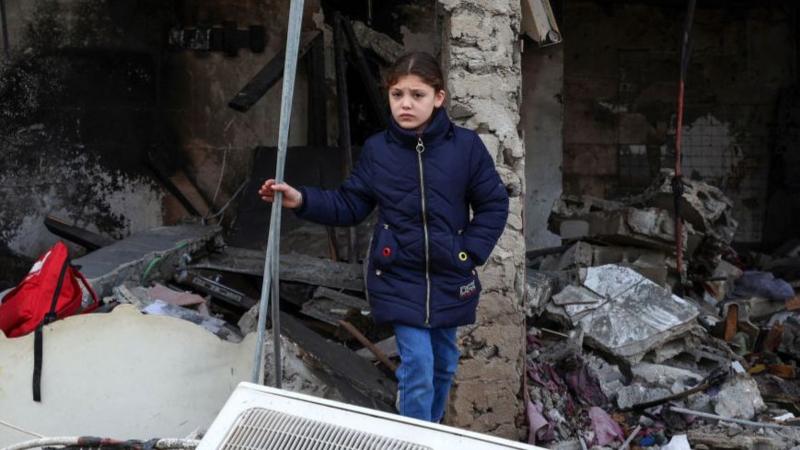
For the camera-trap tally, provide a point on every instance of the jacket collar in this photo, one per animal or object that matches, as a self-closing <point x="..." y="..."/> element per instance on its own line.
<point x="440" y="127"/>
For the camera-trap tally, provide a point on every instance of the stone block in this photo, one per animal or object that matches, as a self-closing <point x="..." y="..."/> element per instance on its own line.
<point x="739" y="398"/>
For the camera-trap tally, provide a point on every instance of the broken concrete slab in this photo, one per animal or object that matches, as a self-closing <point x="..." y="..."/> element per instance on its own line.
<point x="153" y="253"/>
<point x="637" y="315"/>
<point x="651" y="263"/>
<point x="615" y="223"/>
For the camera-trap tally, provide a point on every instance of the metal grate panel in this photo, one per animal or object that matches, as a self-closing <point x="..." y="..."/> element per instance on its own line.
<point x="264" y="429"/>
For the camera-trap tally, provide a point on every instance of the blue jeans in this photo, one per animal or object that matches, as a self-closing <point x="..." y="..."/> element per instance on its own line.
<point x="428" y="361"/>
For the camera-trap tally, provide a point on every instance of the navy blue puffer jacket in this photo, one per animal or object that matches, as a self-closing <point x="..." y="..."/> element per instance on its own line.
<point x="421" y="267"/>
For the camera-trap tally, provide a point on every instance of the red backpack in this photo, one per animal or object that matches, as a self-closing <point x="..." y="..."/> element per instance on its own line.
<point x="50" y="291"/>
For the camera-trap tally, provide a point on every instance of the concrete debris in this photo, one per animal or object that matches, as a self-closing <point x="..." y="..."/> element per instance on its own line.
<point x="739" y="398"/>
<point x="724" y="277"/>
<point x="614" y="223"/>
<point x="623" y="313"/>
<point x="726" y="348"/>
<point x="650" y="263"/>
<point x="539" y="289"/>
<point x="704" y="206"/>
<point x="663" y="375"/>
<point x="636" y="394"/>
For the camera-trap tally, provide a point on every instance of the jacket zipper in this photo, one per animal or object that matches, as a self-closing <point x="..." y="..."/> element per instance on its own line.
<point x="420" y="150"/>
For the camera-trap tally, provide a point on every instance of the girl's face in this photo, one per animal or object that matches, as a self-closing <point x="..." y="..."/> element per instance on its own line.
<point x="412" y="101"/>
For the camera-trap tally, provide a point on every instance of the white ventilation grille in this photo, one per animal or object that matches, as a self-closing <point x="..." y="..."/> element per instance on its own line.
<point x="262" y="429"/>
<point x="263" y="418"/>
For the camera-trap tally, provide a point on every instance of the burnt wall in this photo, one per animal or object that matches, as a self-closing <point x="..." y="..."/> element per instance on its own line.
<point x="77" y="100"/>
<point x="620" y="81"/>
<point x="94" y="96"/>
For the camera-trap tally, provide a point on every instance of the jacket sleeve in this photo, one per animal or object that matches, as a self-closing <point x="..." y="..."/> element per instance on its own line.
<point x="489" y="201"/>
<point x="348" y="205"/>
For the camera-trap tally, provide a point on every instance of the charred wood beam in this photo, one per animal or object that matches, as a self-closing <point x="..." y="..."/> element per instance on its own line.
<point x="369" y="345"/>
<point x="318" y="116"/>
<point x="369" y="82"/>
<point x="165" y="181"/>
<point x="268" y="76"/>
<point x="345" y="299"/>
<point x="344" y="115"/>
<point x="85" y="238"/>
<point x="318" y="113"/>
<point x="293" y="267"/>
<point x="356" y="378"/>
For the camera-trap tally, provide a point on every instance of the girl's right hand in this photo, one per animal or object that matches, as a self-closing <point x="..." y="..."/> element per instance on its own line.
<point x="292" y="198"/>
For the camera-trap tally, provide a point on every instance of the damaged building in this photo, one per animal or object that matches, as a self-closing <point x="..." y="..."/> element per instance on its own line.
<point x="139" y="132"/>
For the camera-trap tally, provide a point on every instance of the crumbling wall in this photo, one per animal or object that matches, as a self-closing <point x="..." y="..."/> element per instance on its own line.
<point x="621" y="69"/>
<point x="482" y="56"/>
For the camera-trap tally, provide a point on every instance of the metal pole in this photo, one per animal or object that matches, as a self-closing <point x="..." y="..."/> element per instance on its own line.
<point x="4" y="24"/>
<point x="271" y="278"/>
<point x="677" y="182"/>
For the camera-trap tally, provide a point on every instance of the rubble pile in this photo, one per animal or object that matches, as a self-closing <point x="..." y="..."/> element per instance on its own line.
<point x="617" y="359"/>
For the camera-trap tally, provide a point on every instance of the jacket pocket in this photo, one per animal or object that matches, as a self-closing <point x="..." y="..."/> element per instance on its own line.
<point x="385" y="247"/>
<point x="461" y="258"/>
<point x="449" y="255"/>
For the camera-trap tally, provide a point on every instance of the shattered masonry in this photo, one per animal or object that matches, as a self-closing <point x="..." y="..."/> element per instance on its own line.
<point x="482" y="57"/>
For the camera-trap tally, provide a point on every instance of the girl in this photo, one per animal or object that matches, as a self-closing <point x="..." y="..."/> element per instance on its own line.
<point x="424" y="174"/>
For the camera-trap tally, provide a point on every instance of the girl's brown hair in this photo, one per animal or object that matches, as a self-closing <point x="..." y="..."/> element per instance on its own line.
<point x="421" y="64"/>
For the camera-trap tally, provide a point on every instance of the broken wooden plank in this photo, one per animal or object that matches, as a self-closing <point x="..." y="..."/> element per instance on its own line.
<point x="343" y="110"/>
<point x="368" y="345"/>
<point x="293" y="267"/>
<point x="325" y="310"/>
<point x="351" y="374"/>
<point x="388" y="346"/>
<point x="350" y="301"/>
<point x="191" y="192"/>
<point x="268" y="76"/>
<point x="85" y="238"/>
